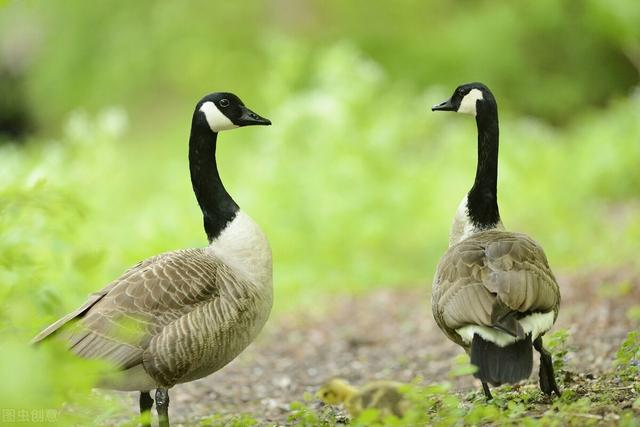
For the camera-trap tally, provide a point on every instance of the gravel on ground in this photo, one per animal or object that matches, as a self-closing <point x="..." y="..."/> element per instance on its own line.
<point x="387" y="334"/>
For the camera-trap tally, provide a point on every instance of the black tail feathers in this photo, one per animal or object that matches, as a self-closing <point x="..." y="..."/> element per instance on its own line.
<point x="498" y="365"/>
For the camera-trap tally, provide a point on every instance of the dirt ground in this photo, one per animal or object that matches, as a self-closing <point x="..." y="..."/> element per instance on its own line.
<point x="387" y="334"/>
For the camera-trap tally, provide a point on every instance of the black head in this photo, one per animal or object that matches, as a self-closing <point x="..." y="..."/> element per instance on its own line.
<point x="224" y="110"/>
<point x="465" y="99"/>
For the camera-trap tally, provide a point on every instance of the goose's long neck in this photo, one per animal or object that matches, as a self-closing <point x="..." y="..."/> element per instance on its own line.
<point x="218" y="208"/>
<point x="482" y="201"/>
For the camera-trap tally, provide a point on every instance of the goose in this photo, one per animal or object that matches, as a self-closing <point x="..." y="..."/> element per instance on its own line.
<point x="493" y="293"/>
<point x="384" y="396"/>
<point x="182" y="315"/>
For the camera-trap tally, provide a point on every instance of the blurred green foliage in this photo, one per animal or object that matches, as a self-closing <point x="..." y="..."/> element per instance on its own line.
<point x="356" y="182"/>
<point x="554" y="57"/>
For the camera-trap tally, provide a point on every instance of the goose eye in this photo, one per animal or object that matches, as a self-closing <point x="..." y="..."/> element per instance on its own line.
<point x="224" y="102"/>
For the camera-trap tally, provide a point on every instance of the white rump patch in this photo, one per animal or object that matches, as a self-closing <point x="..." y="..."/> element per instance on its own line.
<point x="216" y="120"/>
<point x="536" y="324"/>
<point x="468" y="103"/>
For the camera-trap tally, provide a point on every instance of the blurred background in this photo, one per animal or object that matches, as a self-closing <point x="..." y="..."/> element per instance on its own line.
<point x="355" y="183"/>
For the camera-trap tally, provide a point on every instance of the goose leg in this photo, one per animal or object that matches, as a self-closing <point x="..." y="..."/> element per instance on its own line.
<point x="487" y="392"/>
<point x="162" y="406"/>
<point x="547" y="377"/>
<point x="146" y="402"/>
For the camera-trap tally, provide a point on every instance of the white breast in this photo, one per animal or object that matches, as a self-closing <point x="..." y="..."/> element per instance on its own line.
<point x="462" y="226"/>
<point x="243" y="246"/>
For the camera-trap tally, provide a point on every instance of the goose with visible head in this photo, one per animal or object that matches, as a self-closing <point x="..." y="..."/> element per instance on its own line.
<point x="493" y="293"/>
<point x="182" y="315"/>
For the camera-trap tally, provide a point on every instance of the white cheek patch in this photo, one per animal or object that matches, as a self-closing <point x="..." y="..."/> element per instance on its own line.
<point x="468" y="103"/>
<point x="216" y="120"/>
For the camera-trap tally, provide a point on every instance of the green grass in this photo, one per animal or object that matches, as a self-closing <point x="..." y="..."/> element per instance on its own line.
<point x="610" y="399"/>
<point x="355" y="184"/>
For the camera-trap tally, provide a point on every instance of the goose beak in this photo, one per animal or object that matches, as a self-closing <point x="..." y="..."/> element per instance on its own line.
<point x="249" y="118"/>
<point x="443" y="106"/>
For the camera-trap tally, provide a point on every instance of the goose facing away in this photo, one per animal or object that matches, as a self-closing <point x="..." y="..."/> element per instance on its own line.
<point x="181" y="315"/>
<point x="493" y="293"/>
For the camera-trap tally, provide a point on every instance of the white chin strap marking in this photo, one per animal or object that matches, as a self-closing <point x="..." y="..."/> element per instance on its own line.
<point x="468" y="103"/>
<point x="216" y="120"/>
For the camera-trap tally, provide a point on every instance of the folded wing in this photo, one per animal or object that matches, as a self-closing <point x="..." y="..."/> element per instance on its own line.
<point x="117" y="323"/>
<point x="492" y="279"/>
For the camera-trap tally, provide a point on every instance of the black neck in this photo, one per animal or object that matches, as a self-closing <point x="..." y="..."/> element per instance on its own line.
<point x="482" y="200"/>
<point x="218" y="208"/>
